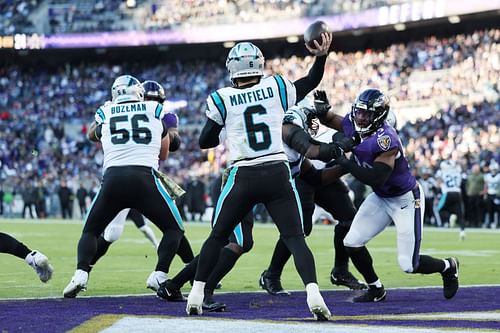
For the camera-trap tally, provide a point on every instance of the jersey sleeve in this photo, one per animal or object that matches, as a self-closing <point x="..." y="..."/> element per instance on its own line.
<point x="295" y="117"/>
<point x="216" y="110"/>
<point x="100" y="117"/>
<point x="287" y="92"/>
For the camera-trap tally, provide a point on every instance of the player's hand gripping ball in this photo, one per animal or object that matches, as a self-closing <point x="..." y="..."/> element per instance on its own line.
<point x="313" y="33"/>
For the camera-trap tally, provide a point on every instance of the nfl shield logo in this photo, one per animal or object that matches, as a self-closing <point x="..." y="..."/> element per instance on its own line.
<point x="384" y="142"/>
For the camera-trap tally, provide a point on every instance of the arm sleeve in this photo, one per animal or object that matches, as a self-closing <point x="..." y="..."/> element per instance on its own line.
<point x="306" y="84"/>
<point x="375" y="176"/>
<point x="209" y="136"/>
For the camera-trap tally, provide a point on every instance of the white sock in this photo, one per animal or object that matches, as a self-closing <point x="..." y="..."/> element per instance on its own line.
<point x="312" y="289"/>
<point x="198" y="287"/>
<point x="446" y="265"/>
<point x="29" y="258"/>
<point x="377" y="284"/>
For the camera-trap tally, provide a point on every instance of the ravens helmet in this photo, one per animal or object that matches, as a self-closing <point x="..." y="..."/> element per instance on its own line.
<point x="244" y="60"/>
<point x="127" y="88"/>
<point x="369" y="111"/>
<point x="153" y="91"/>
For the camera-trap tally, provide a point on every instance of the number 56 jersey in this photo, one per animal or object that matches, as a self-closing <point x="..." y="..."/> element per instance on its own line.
<point x="253" y="118"/>
<point x="130" y="133"/>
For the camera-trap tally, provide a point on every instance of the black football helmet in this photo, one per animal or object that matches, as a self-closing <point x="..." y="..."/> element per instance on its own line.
<point x="369" y="111"/>
<point x="153" y="91"/>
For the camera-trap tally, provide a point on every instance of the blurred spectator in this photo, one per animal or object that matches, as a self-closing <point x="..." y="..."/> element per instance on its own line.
<point x="475" y="193"/>
<point x="28" y="196"/>
<point x="81" y="196"/>
<point x="492" y="185"/>
<point x="66" y="199"/>
<point x="196" y="194"/>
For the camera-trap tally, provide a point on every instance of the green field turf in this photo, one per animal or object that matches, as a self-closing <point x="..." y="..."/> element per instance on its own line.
<point x="129" y="261"/>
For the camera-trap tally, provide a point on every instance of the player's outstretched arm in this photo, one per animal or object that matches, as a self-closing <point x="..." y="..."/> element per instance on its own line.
<point x="306" y="84"/>
<point x="301" y="141"/>
<point x="322" y="177"/>
<point x="374" y="176"/>
<point x="92" y="132"/>
<point x="209" y="136"/>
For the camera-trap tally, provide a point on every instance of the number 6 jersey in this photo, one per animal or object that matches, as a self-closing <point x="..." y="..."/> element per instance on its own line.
<point x="130" y="133"/>
<point x="253" y="118"/>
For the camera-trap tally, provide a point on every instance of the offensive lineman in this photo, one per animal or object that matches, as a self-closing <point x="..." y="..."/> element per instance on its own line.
<point x="251" y="112"/>
<point x="379" y="161"/>
<point x="134" y="138"/>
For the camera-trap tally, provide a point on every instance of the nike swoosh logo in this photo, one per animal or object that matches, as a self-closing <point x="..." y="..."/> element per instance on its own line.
<point x="403" y="207"/>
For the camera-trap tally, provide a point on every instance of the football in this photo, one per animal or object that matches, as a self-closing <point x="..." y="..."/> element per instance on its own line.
<point x="314" y="31"/>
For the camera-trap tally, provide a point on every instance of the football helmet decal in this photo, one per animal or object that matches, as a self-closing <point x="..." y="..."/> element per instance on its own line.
<point x="127" y="88"/>
<point x="369" y="111"/>
<point x="244" y="60"/>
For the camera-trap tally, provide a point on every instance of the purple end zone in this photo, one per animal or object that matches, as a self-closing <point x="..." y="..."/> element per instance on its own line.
<point x="60" y="315"/>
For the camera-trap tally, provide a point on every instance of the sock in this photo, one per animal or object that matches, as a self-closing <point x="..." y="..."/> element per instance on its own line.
<point x="198" y="287"/>
<point x="341" y="255"/>
<point x="167" y="249"/>
<point x="87" y="247"/>
<point x="280" y="256"/>
<point x="377" y="284"/>
<point x="102" y="247"/>
<point x="363" y="262"/>
<point x="446" y="265"/>
<point x="429" y="265"/>
<point x="226" y="262"/>
<point x="148" y="232"/>
<point x="303" y="258"/>
<point x="9" y="244"/>
<point x="186" y="274"/>
<point x="184" y="251"/>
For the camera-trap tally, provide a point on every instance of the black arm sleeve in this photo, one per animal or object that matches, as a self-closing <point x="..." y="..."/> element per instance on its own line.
<point x="306" y="84"/>
<point x="209" y="136"/>
<point x="300" y="141"/>
<point x="375" y="176"/>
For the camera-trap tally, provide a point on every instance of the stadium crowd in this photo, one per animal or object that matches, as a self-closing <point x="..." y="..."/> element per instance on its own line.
<point x="44" y="112"/>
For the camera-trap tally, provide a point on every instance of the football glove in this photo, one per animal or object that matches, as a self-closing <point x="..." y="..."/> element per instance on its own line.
<point x="321" y="104"/>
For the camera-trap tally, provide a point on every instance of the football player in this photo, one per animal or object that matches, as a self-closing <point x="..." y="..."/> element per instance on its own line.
<point x="315" y="186"/>
<point x="449" y="178"/>
<point x="38" y="261"/>
<point x="492" y="183"/>
<point x="134" y="138"/>
<point x="251" y="111"/>
<point x="153" y="91"/>
<point x="379" y="161"/>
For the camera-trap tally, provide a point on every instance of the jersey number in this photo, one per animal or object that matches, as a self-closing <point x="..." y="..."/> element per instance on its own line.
<point x="141" y="135"/>
<point x="452" y="181"/>
<point x="254" y="128"/>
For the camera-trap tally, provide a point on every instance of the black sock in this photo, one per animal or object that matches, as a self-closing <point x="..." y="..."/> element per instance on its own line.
<point x="341" y="255"/>
<point x="226" y="262"/>
<point x="9" y="244"/>
<point x="280" y="256"/>
<point x="363" y="262"/>
<point x="186" y="274"/>
<point x="429" y="265"/>
<point x="87" y="247"/>
<point x="184" y="251"/>
<point x="102" y="247"/>
<point x="303" y="258"/>
<point x="167" y="249"/>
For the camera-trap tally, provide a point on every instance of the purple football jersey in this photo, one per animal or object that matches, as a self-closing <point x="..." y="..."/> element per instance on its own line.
<point x="384" y="139"/>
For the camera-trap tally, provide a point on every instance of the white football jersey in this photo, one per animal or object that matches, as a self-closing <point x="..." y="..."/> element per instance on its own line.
<point x="253" y="118"/>
<point x="492" y="183"/>
<point x="295" y="116"/>
<point x="451" y="176"/>
<point x="131" y="133"/>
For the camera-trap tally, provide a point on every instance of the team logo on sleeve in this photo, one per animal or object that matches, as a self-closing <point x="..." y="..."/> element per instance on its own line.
<point x="384" y="142"/>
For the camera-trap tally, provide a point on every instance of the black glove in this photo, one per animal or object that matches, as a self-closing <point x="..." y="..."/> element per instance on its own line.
<point x="330" y="151"/>
<point x="347" y="144"/>
<point x="321" y="104"/>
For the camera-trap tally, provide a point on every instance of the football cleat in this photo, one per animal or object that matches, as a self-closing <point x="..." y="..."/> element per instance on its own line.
<point x="169" y="292"/>
<point x="318" y="307"/>
<point x="345" y="278"/>
<point x="450" y="278"/>
<point x="78" y="283"/>
<point x="209" y="305"/>
<point x="373" y="294"/>
<point x="41" y="265"/>
<point x="155" y="279"/>
<point x="194" y="304"/>
<point x="272" y="285"/>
